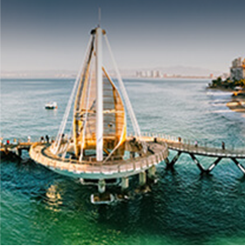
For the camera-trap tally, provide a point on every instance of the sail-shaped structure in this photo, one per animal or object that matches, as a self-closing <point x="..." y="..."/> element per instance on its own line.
<point x="98" y="147"/>
<point x="86" y="122"/>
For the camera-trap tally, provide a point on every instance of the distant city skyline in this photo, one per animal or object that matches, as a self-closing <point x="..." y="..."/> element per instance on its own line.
<point x="52" y="35"/>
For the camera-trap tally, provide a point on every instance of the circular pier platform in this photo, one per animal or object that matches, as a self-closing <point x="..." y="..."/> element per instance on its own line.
<point x="115" y="167"/>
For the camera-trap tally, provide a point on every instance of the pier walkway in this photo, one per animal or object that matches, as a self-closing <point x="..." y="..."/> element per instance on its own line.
<point x="193" y="149"/>
<point x="173" y="143"/>
<point x="205" y="150"/>
<point x="115" y="168"/>
<point x="15" y="148"/>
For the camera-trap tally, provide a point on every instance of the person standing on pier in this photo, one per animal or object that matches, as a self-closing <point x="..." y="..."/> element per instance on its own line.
<point x="223" y="145"/>
<point x="47" y="138"/>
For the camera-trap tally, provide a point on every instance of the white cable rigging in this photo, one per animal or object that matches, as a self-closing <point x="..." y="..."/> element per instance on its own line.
<point x="86" y="114"/>
<point x="56" y="145"/>
<point x="125" y="95"/>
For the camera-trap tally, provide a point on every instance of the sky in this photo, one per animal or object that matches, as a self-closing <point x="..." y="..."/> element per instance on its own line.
<point x="53" y="34"/>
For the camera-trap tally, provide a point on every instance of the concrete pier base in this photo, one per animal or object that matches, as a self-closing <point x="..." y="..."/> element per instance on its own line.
<point x="142" y="178"/>
<point x="101" y="186"/>
<point x="124" y="183"/>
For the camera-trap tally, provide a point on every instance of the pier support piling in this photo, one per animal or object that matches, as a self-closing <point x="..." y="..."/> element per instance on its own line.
<point x="199" y="165"/>
<point x="19" y="152"/>
<point x="152" y="172"/>
<point x="101" y="186"/>
<point x="240" y="166"/>
<point x="142" y="178"/>
<point x="201" y="168"/>
<point x="170" y="164"/>
<point x="212" y="166"/>
<point x="125" y="183"/>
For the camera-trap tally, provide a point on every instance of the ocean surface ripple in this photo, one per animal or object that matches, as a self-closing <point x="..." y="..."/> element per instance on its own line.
<point x="39" y="206"/>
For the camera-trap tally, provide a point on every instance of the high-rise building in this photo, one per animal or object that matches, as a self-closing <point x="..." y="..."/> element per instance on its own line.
<point x="237" y="70"/>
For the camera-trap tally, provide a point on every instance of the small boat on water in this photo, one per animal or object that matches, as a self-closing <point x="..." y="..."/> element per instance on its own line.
<point x="105" y="198"/>
<point x="51" y="105"/>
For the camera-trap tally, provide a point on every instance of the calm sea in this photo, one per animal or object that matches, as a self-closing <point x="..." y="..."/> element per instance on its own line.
<point x="39" y="206"/>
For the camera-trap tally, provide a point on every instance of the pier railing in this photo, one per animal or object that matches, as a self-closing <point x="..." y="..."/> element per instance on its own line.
<point x="117" y="167"/>
<point x="173" y="142"/>
<point x="187" y="144"/>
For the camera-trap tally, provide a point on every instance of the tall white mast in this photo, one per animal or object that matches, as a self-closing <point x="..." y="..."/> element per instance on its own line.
<point x="99" y="96"/>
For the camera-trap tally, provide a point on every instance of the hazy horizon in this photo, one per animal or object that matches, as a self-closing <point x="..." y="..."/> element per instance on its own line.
<point x="53" y="35"/>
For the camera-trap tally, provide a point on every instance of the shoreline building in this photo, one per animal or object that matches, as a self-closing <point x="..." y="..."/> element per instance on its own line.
<point x="237" y="70"/>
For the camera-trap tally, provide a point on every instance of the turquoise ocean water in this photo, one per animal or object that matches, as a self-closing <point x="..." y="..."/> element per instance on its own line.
<point x="39" y="206"/>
